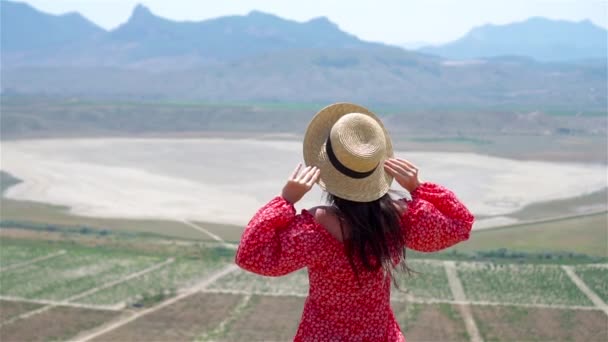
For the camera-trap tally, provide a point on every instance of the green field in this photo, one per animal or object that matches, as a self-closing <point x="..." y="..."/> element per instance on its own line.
<point x="294" y="283"/>
<point x="585" y="234"/>
<point x="42" y="215"/>
<point x="596" y="277"/>
<point x="70" y="274"/>
<point x="83" y="268"/>
<point x="164" y="281"/>
<point x="261" y="307"/>
<point x="11" y="255"/>
<point x="523" y="284"/>
<point x="429" y="281"/>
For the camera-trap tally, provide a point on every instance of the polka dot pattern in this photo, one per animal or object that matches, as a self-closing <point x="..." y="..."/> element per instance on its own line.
<point x="340" y="307"/>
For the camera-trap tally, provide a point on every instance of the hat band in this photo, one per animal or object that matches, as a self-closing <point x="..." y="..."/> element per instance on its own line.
<point x="341" y="167"/>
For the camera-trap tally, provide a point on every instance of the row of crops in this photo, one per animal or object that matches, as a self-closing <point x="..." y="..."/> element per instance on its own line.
<point x="498" y="283"/>
<point x="95" y="276"/>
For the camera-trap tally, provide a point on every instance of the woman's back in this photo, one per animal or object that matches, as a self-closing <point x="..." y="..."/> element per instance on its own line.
<point x="342" y="304"/>
<point x="351" y="248"/>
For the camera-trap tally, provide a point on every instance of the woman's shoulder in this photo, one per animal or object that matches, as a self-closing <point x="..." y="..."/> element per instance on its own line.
<point x="320" y="211"/>
<point x="328" y="220"/>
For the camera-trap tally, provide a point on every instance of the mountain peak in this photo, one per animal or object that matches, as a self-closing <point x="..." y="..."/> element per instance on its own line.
<point x="141" y="11"/>
<point x="322" y="21"/>
<point x="256" y="13"/>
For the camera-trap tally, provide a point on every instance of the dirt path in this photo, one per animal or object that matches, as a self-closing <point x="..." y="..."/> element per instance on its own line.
<point x="88" y="292"/>
<point x="465" y="309"/>
<point x="191" y="290"/>
<point x="210" y="234"/>
<point x="593" y="297"/>
<point x="29" y="262"/>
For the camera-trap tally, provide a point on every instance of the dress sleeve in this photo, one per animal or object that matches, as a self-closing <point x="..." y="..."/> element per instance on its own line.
<point x="277" y="241"/>
<point x="435" y="219"/>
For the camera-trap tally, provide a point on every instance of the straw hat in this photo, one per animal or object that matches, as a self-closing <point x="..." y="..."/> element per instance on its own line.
<point x="349" y="145"/>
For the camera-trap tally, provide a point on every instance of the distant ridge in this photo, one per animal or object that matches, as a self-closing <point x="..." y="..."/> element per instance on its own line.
<point x="539" y="38"/>
<point x="31" y="37"/>
<point x="25" y="28"/>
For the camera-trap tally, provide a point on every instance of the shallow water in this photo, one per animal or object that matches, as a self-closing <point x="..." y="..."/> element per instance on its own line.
<point x="227" y="180"/>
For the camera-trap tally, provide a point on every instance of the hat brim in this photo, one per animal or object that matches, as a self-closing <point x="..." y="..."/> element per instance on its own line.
<point x="331" y="180"/>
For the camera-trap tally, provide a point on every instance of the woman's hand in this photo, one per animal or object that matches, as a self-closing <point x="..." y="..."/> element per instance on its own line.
<point x="405" y="173"/>
<point x="300" y="183"/>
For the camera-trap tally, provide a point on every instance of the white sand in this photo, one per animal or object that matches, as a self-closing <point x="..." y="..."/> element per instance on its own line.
<point x="222" y="180"/>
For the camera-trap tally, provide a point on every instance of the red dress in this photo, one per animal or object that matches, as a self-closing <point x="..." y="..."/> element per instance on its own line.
<point x="338" y="307"/>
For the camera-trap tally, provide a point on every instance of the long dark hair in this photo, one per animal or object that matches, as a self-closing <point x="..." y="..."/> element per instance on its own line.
<point x="375" y="237"/>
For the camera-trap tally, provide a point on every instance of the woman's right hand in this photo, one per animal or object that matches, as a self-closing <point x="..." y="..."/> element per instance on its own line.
<point x="300" y="183"/>
<point x="404" y="172"/>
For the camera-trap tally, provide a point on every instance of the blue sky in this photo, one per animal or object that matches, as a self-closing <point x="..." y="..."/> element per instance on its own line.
<point x="390" y="21"/>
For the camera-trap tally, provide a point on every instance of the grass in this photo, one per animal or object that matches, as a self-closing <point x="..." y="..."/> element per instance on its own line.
<point x="563" y="207"/>
<point x="11" y="254"/>
<point x="295" y="283"/>
<point x="45" y="214"/>
<point x="430" y="282"/>
<point x="179" y="274"/>
<point x="70" y="274"/>
<point x="585" y="234"/>
<point x="525" y="284"/>
<point x="84" y="267"/>
<point x="596" y="279"/>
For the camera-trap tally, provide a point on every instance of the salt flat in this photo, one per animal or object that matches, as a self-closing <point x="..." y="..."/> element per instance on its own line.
<point x="227" y="180"/>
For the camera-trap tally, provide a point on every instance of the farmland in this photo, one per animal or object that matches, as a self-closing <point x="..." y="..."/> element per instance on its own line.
<point x="504" y="323"/>
<point x="107" y="290"/>
<point x="596" y="277"/>
<point x="522" y="284"/>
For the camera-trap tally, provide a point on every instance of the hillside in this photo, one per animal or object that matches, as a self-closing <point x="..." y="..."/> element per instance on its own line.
<point x="391" y="77"/>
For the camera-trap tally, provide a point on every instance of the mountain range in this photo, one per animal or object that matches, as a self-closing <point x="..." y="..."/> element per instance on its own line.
<point x="539" y="38"/>
<point x="262" y="57"/>
<point x="30" y="37"/>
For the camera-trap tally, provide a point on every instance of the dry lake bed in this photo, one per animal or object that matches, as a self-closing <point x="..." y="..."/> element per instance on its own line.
<point x="227" y="180"/>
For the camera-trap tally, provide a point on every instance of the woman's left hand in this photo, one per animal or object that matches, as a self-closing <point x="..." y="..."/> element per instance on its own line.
<point x="300" y="183"/>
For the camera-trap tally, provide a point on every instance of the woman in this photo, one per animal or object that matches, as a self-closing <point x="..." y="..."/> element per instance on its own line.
<point x="351" y="247"/>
